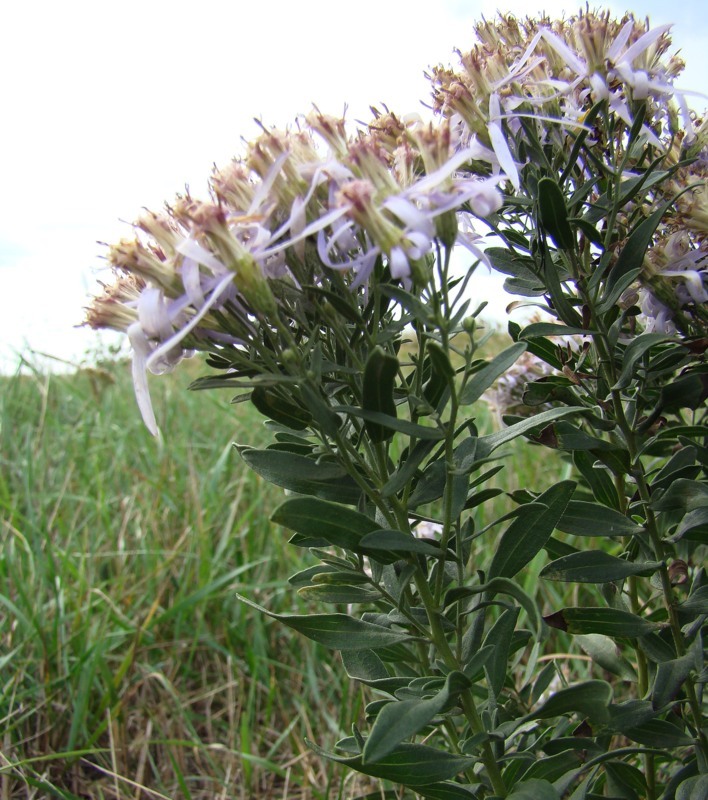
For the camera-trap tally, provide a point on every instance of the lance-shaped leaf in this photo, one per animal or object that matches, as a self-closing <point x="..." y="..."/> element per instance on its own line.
<point x="442" y="374"/>
<point x="554" y="214"/>
<point x="399" y="542"/>
<point x="659" y="733"/>
<point x="444" y="791"/>
<point x="500" y="586"/>
<point x="530" y="531"/>
<point x="272" y="405"/>
<point x="377" y="391"/>
<point x="409" y="764"/>
<point x="590" y="699"/>
<point x="629" y="263"/>
<point x="635" y="350"/>
<point x="671" y="675"/>
<point x="609" y="621"/>
<point x="303" y="475"/>
<point x="399" y="720"/>
<point x="537" y="329"/>
<point x="592" y="519"/>
<point x="487" y="444"/>
<point x="604" y="652"/>
<point x="595" y="566"/>
<point x="336" y="631"/>
<point x="499" y="637"/>
<point x="534" y="789"/>
<point x="320" y="519"/>
<point x="339" y="593"/>
<point x="482" y="380"/>
<point x="390" y="423"/>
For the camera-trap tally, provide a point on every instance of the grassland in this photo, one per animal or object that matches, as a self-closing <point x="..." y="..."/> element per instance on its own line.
<point x="127" y="667"/>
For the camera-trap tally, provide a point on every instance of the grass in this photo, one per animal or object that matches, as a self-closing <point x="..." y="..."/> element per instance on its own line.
<point x="127" y="667"/>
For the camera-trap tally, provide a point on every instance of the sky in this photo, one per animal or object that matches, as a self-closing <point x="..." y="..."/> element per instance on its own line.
<point x="110" y="107"/>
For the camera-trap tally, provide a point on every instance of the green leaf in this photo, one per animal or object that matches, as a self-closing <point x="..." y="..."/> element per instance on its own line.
<point x="336" y="631"/>
<point x="410" y="302"/>
<point x="554" y="214"/>
<point x="605" y="653"/>
<point x="592" y="519"/>
<point x="682" y="494"/>
<point x="272" y="405"/>
<point x="534" y="789"/>
<point x="696" y="604"/>
<point x="444" y="791"/>
<point x="499" y="586"/>
<point x="442" y="374"/>
<point x="364" y="665"/>
<point x="407" y="467"/>
<point x="590" y="699"/>
<point x="659" y="733"/>
<point x="487" y="444"/>
<point x="609" y="621"/>
<point x="600" y="482"/>
<point x="400" y="720"/>
<point x="409" y="764"/>
<point x="499" y="636"/>
<point x="303" y="475"/>
<point x="377" y="391"/>
<point x="482" y="380"/>
<point x="629" y="263"/>
<point x="670" y="677"/>
<point x="537" y="329"/>
<point x="695" y="788"/>
<point x="398" y="542"/>
<point x="336" y="524"/>
<point x="391" y="423"/>
<point x="529" y="532"/>
<point x="339" y="593"/>
<point x="635" y="350"/>
<point x="430" y="485"/>
<point x="595" y="566"/>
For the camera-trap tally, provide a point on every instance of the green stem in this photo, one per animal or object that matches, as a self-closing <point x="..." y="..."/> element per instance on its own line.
<point x="440" y="643"/>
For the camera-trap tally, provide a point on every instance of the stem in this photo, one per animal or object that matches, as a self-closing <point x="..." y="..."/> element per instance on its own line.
<point x="439" y="641"/>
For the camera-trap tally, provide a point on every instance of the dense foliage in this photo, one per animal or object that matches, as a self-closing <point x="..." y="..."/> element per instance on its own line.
<point x="327" y="291"/>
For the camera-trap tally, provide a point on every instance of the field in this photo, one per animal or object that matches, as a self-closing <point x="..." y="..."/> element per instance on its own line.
<point x="128" y="669"/>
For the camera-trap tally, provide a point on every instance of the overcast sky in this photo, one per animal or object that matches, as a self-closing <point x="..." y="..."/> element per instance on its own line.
<point x="113" y="106"/>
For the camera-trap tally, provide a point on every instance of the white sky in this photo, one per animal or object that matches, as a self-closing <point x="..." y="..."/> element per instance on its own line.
<point x="112" y="106"/>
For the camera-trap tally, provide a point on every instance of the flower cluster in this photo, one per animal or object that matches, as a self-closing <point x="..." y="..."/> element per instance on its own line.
<point x="291" y="213"/>
<point x="529" y="81"/>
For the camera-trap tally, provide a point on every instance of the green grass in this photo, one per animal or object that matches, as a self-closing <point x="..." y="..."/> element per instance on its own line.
<point x="124" y="651"/>
<point x="127" y="667"/>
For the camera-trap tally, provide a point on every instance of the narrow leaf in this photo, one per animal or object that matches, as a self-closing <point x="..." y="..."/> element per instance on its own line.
<point x="377" y="392"/>
<point x="534" y="789"/>
<point x="596" y="566"/>
<point x="629" y="262"/>
<point x="400" y="720"/>
<point x="482" y="380"/>
<point x="592" y="519"/>
<point x="554" y="214"/>
<point x="528" y="534"/>
<point x="409" y="764"/>
<point x="303" y="475"/>
<point x="336" y="631"/>
<point x="609" y="621"/>
<point x="635" y="350"/>
<point x="336" y="524"/>
<point x="590" y="699"/>
<point x="389" y="423"/>
<point x="487" y="444"/>
<point x="398" y="542"/>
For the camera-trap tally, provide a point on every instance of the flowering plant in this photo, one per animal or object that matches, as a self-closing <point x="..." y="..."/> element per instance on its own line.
<point x="324" y="286"/>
